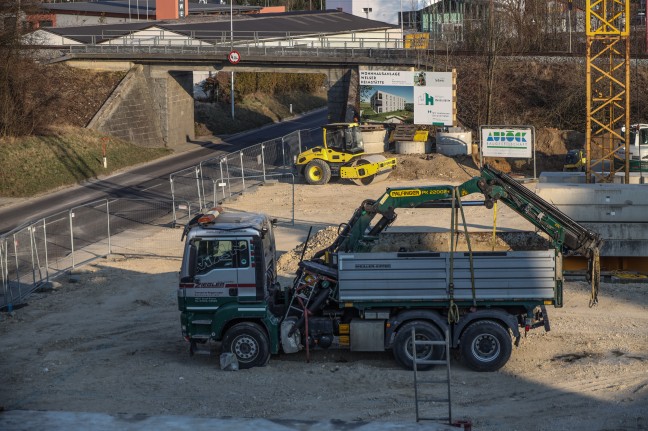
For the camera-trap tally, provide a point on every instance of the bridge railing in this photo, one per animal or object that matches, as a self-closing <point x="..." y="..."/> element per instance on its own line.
<point x="239" y="39"/>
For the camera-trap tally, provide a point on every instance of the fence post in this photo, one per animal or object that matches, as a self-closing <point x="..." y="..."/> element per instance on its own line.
<point x="222" y="177"/>
<point x="242" y="172"/>
<point x="200" y="198"/>
<point x="283" y="150"/>
<point x="263" y="162"/>
<point x="34" y="252"/>
<point x="46" y="251"/>
<point x="108" y="228"/>
<point x="172" y="195"/>
<point x="70" y="217"/>
<point x="229" y="180"/>
<point x="293" y="199"/>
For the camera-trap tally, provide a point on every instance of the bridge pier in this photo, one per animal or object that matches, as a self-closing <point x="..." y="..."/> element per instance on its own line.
<point x="151" y="107"/>
<point x="343" y="94"/>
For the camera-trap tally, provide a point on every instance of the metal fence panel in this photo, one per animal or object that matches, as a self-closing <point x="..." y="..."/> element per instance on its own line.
<point x="135" y="226"/>
<point x="90" y="232"/>
<point x="186" y="186"/>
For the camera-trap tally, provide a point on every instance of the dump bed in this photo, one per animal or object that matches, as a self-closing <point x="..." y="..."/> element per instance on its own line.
<point x="425" y="276"/>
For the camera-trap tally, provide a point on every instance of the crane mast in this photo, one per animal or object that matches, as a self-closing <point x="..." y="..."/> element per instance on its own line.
<point x="608" y="86"/>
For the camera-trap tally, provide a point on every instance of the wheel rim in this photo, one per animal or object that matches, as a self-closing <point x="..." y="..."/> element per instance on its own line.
<point x="422" y="352"/>
<point x="315" y="173"/>
<point x="245" y="348"/>
<point x="486" y="347"/>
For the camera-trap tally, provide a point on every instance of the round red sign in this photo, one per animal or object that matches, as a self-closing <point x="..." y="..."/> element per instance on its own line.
<point x="234" y="57"/>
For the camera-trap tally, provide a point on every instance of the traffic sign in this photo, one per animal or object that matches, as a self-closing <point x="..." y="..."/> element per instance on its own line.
<point x="234" y="57"/>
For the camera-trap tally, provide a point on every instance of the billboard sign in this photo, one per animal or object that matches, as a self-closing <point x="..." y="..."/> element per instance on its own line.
<point x="502" y="141"/>
<point x="429" y="96"/>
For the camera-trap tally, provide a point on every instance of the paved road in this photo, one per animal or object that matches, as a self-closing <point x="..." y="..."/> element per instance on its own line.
<point x="150" y="180"/>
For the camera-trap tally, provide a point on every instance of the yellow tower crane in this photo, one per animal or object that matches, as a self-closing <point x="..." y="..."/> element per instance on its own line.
<point x="608" y="87"/>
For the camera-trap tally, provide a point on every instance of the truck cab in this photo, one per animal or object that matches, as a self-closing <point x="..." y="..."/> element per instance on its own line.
<point x="229" y="266"/>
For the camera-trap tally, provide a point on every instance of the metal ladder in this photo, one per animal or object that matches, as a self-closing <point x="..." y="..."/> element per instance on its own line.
<point x="301" y="298"/>
<point x="446" y="362"/>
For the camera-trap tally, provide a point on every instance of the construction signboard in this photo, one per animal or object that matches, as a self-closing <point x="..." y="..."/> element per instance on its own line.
<point x="428" y="98"/>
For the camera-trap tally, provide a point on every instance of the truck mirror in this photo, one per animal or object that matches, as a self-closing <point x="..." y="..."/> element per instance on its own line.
<point x="191" y="263"/>
<point x="274" y="221"/>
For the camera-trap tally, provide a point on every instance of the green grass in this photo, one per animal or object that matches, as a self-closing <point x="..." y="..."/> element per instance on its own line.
<point x="371" y="115"/>
<point x="33" y="165"/>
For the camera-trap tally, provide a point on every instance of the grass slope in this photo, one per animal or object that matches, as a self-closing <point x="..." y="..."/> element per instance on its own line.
<point x="36" y="164"/>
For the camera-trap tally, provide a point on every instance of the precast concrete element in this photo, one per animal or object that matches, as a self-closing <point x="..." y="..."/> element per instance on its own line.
<point x="413" y="147"/>
<point x="579" y="178"/>
<point x="374" y="141"/>
<point x="616" y="211"/>
<point x="454" y="143"/>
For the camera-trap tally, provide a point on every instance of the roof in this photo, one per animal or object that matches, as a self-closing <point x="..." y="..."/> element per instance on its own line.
<point x="257" y="25"/>
<point x="138" y="7"/>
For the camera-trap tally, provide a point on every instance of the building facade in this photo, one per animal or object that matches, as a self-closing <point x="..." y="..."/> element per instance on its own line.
<point x="386" y="102"/>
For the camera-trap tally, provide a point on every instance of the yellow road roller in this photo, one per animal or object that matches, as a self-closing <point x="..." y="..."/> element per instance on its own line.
<point x="342" y="155"/>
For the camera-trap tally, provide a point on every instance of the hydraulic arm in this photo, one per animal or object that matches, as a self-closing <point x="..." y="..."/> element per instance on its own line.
<point x="568" y="236"/>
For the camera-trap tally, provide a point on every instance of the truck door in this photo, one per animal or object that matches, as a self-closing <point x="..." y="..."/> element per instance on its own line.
<point x="222" y="265"/>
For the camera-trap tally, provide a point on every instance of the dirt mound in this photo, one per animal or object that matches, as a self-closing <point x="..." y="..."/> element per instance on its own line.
<point x="287" y="263"/>
<point x="414" y="167"/>
<point x="422" y="241"/>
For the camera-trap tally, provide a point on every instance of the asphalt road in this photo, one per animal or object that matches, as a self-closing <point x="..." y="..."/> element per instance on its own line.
<point x="150" y="180"/>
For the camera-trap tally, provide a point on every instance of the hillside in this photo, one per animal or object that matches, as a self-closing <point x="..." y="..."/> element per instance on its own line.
<point x="546" y="95"/>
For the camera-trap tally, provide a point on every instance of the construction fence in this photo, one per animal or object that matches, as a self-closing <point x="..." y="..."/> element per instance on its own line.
<point x="32" y="255"/>
<point x="218" y="179"/>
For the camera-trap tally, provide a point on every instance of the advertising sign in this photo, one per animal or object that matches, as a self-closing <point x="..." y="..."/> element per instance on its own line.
<point x="425" y="96"/>
<point x="502" y="141"/>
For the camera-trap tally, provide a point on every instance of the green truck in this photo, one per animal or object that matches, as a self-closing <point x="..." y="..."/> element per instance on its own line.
<point x="348" y="296"/>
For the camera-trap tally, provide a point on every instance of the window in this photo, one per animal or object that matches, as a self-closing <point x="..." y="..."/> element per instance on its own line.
<point x="45" y="23"/>
<point x="221" y="254"/>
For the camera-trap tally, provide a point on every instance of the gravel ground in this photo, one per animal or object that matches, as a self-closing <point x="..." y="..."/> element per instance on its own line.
<point x="110" y="342"/>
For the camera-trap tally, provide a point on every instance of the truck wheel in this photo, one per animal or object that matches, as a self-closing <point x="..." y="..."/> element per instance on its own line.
<point x="485" y="346"/>
<point x="317" y="172"/>
<point x="249" y="343"/>
<point x="403" y="345"/>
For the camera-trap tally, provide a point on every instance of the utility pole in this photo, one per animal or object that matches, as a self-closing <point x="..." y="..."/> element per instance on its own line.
<point x="232" y="48"/>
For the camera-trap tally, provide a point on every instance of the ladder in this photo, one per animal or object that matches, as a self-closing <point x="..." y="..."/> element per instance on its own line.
<point x="302" y="297"/>
<point x="429" y="399"/>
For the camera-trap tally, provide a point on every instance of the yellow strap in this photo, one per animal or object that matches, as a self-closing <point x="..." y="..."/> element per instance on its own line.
<point x="494" y="226"/>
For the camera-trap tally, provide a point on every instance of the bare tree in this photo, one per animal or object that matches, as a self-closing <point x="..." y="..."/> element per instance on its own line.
<point x="22" y="100"/>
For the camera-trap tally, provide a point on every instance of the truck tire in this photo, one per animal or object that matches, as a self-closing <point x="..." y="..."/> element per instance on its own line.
<point x="485" y="346"/>
<point x="249" y="343"/>
<point x="403" y="345"/>
<point x="317" y="172"/>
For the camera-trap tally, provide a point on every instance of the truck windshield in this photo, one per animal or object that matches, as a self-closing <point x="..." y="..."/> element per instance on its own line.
<point x="221" y="254"/>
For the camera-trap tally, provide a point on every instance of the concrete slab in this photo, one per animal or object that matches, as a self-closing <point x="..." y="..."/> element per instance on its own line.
<point x="598" y="203"/>
<point x="24" y="420"/>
